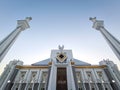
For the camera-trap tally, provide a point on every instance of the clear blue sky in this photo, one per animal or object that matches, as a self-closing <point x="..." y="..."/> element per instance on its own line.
<point x="64" y="22"/>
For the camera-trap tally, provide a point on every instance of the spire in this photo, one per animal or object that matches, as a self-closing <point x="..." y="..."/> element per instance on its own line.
<point x="7" y="42"/>
<point x="111" y="40"/>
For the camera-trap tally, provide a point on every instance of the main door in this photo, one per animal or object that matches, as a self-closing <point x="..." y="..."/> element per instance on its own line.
<point x="61" y="79"/>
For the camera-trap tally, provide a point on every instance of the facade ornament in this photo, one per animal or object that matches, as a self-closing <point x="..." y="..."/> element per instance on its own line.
<point x="61" y="48"/>
<point x="97" y="24"/>
<point x="93" y="19"/>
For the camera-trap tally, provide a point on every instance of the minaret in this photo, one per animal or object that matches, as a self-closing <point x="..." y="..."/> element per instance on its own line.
<point x="111" y="40"/>
<point x="7" y="42"/>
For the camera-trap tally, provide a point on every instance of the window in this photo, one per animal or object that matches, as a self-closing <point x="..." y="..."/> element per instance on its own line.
<point x="80" y="89"/>
<point x="22" y="76"/>
<point x="44" y="77"/>
<point x="100" y="75"/>
<point x="78" y="76"/>
<point x="79" y="80"/>
<point x="43" y="80"/>
<point x="33" y="76"/>
<point x="30" y="89"/>
<point x="16" y="86"/>
<point x="89" y="74"/>
<point x="106" y="89"/>
<point x="42" y="88"/>
<point x="92" y="85"/>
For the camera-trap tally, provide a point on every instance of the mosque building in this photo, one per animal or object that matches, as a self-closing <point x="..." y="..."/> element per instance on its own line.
<point x="60" y="71"/>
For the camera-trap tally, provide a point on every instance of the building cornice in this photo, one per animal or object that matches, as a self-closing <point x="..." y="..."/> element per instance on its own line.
<point x="93" y="66"/>
<point x="44" y="67"/>
<point x="31" y="67"/>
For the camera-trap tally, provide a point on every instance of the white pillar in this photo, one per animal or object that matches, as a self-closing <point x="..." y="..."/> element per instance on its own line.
<point x="70" y="78"/>
<point x="53" y="77"/>
<point x="8" y="72"/>
<point x="111" y="40"/>
<point x="7" y="42"/>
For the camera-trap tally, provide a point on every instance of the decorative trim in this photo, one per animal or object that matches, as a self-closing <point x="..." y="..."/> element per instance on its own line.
<point x="93" y="66"/>
<point x="50" y="63"/>
<point x="72" y="63"/>
<point x="44" y="67"/>
<point x="61" y="57"/>
<point x="31" y="67"/>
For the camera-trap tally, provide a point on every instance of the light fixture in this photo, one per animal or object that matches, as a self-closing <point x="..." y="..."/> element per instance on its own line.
<point x="8" y="81"/>
<point x="113" y="81"/>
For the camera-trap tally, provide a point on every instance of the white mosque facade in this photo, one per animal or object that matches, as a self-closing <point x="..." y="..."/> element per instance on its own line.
<point x="60" y="72"/>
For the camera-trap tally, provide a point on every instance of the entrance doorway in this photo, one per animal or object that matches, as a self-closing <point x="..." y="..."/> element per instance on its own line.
<point x="61" y="79"/>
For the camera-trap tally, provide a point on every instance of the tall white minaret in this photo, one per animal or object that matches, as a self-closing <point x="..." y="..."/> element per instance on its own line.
<point x="7" y="42"/>
<point x="111" y="40"/>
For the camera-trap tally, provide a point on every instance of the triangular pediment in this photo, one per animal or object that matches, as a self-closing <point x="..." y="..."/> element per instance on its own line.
<point x="46" y="61"/>
<point x="42" y="63"/>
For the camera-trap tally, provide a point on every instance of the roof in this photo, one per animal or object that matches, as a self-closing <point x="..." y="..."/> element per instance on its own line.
<point x="81" y="63"/>
<point x="46" y="61"/>
<point x="42" y="63"/>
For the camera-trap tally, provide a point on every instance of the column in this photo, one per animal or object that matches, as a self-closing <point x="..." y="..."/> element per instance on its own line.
<point x="7" y="42"/>
<point x="111" y="40"/>
<point x="9" y="74"/>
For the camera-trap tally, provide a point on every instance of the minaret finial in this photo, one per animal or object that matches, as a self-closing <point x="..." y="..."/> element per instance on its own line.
<point x="61" y="48"/>
<point x="97" y="24"/>
<point x="28" y="19"/>
<point x="92" y="19"/>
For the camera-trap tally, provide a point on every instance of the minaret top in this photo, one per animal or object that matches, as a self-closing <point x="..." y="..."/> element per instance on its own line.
<point x="23" y="24"/>
<point x="92" y="19"/>
<point x="97" y="24"/>
<point x="28" y="19"/>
